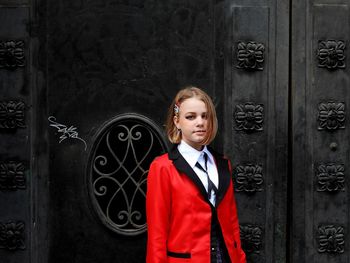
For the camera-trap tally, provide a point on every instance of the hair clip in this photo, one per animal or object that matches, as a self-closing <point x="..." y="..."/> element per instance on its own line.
<point x="176" y="109"/>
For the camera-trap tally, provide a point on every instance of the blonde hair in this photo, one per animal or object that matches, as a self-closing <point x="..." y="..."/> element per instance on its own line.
<point x="174" y="135"/>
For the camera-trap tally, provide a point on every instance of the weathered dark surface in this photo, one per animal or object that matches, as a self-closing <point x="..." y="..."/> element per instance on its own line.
<point x="278" y="72"/>
<point x="320" y="100"/>
<point x="15" y="134"/>
<point x="105" y="59"/>
<point x="256" y="111"/>
<point x="89" y="62"/>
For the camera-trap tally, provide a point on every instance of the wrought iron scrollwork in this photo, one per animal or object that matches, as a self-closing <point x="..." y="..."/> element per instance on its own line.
<point x="330" y="54"/>
<point x="12" y="114"/>
<point x="331" y="116"/>
<point x="248" y="178"/>
<point x="12" y="235"/>
<point x="250" y="55"/>
<point x="249" y="117"/>
<point x="330" y="177"/>
<point x="119" y="167"/>
<point x="12" y="54"/>
<point x="12" y="176"/>
<point x="331" y="239"/>
<point x="251" y="237"/>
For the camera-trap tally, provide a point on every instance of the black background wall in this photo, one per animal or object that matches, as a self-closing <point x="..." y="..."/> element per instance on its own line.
<point x="85" y="86"/>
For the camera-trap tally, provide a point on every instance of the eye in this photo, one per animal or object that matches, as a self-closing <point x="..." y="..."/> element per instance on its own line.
<point x="190" y="117"/>
<point x="205" y="116"/>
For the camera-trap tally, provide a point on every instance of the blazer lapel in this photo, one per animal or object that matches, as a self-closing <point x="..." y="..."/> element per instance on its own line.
<point x="182" y="166"/>
<point x="223" y="171"/>
<point x="224" y="175"/>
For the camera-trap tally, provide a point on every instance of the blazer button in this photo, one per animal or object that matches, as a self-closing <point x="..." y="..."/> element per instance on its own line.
<point x="213" y="249"/>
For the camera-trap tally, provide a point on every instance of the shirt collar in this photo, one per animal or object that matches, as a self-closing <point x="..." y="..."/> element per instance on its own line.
<point x="192" y="155"/>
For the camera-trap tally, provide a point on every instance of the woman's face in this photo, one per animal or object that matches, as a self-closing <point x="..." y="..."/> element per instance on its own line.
<point x="192" y="121"/>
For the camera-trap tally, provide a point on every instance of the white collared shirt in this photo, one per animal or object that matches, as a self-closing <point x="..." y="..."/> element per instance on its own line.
<point x="191" y="155"/>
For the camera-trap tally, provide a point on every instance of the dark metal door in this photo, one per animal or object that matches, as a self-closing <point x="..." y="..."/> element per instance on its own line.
<point x="110" y="71"/>
<point x="256" y="114"/>
<point x="319" y="99"/>
<point x="84" y="91"/>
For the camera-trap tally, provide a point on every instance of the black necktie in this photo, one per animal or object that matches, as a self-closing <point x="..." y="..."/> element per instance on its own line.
<point x="211" y="185"/>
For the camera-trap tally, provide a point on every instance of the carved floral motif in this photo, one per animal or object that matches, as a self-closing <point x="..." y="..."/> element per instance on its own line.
<point x="249" y="116"/>
<point x="12" y="54"/>
<point x="330" y="54"/>
<point x="331" y="239"/>
<point x="12" y="235"/>
<point x="12" y="114"/>
<point x="250" y="55"/>
<point x="330" y="177"/>
<point x="12" y="176"/>
<point x="251" y="237"/>
<point x="331" y="115"/>
<point x="249" y="178"/>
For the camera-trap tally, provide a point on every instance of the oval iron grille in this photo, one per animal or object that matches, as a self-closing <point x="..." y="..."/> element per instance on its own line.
<point x="118" y="168"/>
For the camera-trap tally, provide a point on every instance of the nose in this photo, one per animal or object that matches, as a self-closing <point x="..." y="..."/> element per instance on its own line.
<point x="200" y="121"/>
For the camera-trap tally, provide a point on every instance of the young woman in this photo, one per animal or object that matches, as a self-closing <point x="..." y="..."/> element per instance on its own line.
<point x="191" y="209"/>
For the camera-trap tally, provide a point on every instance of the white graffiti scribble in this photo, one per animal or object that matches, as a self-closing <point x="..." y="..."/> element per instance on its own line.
<point x="66" y="132"/>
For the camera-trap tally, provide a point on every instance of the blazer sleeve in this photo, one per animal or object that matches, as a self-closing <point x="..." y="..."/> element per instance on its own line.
<point x="235" y="222"/>
<point x="158" y="205"/>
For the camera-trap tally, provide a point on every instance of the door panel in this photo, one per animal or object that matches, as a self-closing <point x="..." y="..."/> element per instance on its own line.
<point x="320" y="153"/>
<point x="256" y="114"/>
<point x="111" y="70"/>
<point x="15" y="133"/>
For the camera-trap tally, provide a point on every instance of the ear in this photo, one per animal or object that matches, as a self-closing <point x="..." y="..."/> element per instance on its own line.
<point x="176" y="121"/>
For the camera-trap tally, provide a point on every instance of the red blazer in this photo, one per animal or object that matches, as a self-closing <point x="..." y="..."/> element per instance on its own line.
<point x="179" y="213"/>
